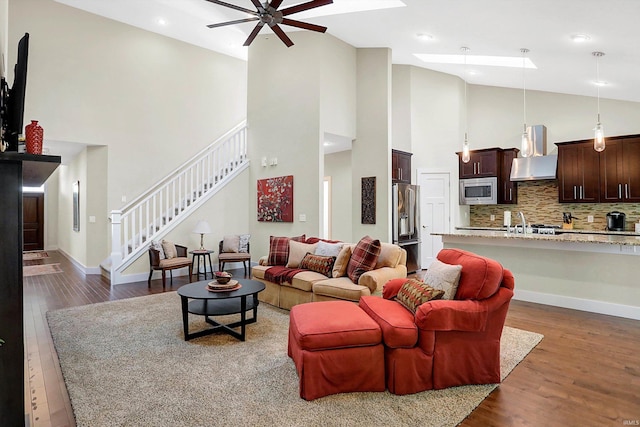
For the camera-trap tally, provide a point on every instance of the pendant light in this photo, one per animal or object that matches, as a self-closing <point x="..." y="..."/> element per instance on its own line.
<point x="526" y="147"/>
<point x="598" y="140"/>
<point x="466" y="155"/>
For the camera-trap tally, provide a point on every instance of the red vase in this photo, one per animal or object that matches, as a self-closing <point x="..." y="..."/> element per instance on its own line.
<point x="34" y="135"/>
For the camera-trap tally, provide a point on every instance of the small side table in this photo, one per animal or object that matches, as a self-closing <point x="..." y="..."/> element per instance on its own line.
<point x="204" y="254"/>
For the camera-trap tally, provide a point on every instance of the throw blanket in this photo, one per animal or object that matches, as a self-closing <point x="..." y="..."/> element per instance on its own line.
<point x="280" y="274"/>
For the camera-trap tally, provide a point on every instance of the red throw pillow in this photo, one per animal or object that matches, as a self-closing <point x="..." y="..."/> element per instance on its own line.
<point x="279" y="249"/>
<point x="364" y="258"/>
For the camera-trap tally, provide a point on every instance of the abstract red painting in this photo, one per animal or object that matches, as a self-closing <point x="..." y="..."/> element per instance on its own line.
<point x="275" y="199"/>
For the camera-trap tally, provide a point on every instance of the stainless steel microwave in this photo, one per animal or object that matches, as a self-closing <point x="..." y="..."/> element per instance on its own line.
<point x="479" y="191"/>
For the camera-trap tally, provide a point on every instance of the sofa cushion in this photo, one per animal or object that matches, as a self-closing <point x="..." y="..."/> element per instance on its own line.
<point x="231" y="244"/>
<point x="305" y="280"/>
<point x="480" y="277"/>
<point x="258" y="271"/>
<point x="169" y="248"/>
<point x="341" y="288"/>
<point x="328" y="249"/>
<point x="364" y="258"/>
<point x="342" y="261"/>
<point x="279" y="249"/>
<point x="333" y="324"/>
<point x="390" y="255"/>
<point x="443" y="276"/>
<point x="414" y="293"/>
<point x="175" y="262"/>
<point x="297" y="251"/>
<point x="398" y="326"/>
<point x="318" y="263"/>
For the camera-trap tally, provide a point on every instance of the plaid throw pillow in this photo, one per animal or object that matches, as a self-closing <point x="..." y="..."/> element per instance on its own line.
<point x="318" y="263"/>
<point x="414" y="293"/>
<point x="279" y="249"/>
<point x="363" y="258"/>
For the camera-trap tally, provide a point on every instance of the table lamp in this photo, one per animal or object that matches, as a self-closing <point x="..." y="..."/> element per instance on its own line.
<point x="202" y="228"/>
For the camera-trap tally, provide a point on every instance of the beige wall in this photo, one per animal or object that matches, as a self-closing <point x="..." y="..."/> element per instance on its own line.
<point x="372" y="147"/>
<point x="338" y="167"/>
<point x="401" y="124"/>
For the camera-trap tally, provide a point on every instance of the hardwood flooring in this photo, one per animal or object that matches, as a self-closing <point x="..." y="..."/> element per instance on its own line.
<point x="585" y="372"/>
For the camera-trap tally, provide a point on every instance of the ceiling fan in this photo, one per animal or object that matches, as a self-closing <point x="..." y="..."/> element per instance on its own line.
<point x="268" y="14"/>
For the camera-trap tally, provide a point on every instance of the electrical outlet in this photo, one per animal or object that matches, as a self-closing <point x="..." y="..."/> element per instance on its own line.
<point x="493" y="217"/>
<point x="590" y="218"/>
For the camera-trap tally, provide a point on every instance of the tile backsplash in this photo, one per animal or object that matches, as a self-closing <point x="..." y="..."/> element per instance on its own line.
<point x="538" y="200"/>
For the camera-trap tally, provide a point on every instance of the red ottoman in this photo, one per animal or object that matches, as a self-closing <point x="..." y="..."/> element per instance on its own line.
<point x="336" y="347"/>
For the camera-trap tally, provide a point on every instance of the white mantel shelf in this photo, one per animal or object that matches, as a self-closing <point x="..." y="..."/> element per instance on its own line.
<point x="595" y="272"/>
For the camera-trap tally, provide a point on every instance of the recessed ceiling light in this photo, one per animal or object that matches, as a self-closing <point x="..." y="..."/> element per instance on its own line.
<point x="494" y="61"/>
<point x="600" y="83"/>
<point x="161" y="21"/>
<point x="424" y="36"/>
<point x="580" y="38"/>
<point x="472" y="72"/>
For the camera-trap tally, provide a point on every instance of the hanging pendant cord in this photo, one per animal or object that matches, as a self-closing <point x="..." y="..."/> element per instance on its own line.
<point x="598" y="83"/>
<point x="524" y="90"/>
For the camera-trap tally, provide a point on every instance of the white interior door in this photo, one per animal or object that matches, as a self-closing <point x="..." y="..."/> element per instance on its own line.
<point x="434" y="213"/>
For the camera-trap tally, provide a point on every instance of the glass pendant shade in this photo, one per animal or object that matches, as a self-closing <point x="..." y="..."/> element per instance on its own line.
<point x="598" y="141"/>
<point x="526" y="148"/>
<point x="466" y="156"/>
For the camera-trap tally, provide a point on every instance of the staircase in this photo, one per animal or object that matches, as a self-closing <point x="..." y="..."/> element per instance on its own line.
<point x="161" y="208"/>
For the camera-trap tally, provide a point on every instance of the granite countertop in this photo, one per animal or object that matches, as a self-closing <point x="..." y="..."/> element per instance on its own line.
<point x="570" y="236"/>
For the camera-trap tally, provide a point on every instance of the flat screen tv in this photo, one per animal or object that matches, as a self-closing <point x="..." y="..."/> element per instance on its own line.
<point x="12" y="99"/>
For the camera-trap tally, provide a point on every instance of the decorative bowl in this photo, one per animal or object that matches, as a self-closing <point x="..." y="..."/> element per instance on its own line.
<point x="222" y="277"/>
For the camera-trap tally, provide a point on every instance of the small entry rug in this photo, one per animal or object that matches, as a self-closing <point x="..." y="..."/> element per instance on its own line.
<point x="125" y="363"/>
<point x="36" y="270"/>
<point x="30" y="256"/>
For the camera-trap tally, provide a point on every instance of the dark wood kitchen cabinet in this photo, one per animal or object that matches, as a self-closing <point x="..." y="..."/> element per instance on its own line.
<point x="578" y="172"/>
<point x="508" y="191"/>
<point x="482" y="163"/>
<point x="400" y="166"/>
<point x="620" y="170"/>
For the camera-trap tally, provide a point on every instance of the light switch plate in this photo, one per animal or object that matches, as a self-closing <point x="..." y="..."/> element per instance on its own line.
<point x="92" y="218"/>
<point x="303" y="218"/>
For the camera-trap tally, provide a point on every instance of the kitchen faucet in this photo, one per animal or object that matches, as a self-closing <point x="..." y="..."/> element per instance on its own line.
<point x="524" y="223"/>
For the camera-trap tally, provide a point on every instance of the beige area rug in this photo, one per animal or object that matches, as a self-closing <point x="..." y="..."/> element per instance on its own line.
<point x="36" y="270"/>
<point x="125" y="363"/>
<point x="30" y="256"/>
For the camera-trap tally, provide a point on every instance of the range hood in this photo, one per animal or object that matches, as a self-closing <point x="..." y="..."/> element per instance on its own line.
<point x="539" y="166"/>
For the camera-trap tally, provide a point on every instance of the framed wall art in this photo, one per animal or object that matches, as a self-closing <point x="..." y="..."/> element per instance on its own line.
<point x="368" y="205"/>
<point x="275" y="199"/>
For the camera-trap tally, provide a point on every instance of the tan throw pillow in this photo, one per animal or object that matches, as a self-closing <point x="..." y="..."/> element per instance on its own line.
<point x="414" y="293"/>
<point x="169" y="249"/>
<point x="297" y="251"/>
<point x="443" y="276"/>
<point x="231" y="244"/>
<point x="340" y="266"/>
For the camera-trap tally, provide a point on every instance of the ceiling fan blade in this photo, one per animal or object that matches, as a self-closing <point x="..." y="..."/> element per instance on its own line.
<point x="275" y="3"/>
<point x="233" y="6"/>
<point x="237" y="21"/>
<point x="304" y="6"/>
<point x="258" y="6"/>
<point x="253" y="34"/>
<point x="285" y="39"/>
<point x="304" y="25"/>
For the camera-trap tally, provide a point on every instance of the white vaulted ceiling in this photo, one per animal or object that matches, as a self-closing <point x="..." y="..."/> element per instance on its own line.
<point x="488" y="28"/>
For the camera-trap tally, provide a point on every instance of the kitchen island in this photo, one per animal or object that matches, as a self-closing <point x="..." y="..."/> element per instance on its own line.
<point x="591" y="271"/>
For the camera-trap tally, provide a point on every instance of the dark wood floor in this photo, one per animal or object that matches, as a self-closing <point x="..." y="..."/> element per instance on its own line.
<point x="585" y="372"/>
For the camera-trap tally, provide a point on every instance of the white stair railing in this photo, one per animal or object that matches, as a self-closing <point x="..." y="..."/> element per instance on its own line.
<point x="159" y="209"/>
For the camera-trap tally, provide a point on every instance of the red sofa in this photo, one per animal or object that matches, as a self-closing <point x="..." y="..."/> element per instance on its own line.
<point x="448" y="342"/>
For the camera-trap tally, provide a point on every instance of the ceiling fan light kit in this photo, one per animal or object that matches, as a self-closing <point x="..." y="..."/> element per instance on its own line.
<point x="267" y="13"/>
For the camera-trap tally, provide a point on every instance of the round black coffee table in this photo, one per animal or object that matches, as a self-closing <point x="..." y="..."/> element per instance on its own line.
<point x="207" y="303"/>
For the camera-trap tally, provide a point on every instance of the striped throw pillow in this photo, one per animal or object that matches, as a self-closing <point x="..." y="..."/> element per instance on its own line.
<point x="414" y="293"/>
<point x="318" y="263"/>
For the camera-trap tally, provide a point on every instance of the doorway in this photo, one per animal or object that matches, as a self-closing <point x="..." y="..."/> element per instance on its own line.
<point x="33" y="221"/>
<point x="434" y="212"/>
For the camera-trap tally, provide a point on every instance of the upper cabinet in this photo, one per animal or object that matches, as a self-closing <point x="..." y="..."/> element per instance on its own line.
<point x="620" y="170"/>
<point x="482" y="163"/>
<point x="578" y="172"/>
<point x="508" y="191"/>
<point x="611" y="176"/>
<point x="400" y="166"/>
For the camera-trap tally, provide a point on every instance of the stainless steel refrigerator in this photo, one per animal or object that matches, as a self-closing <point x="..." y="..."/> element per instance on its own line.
<point x="406" y="222"/>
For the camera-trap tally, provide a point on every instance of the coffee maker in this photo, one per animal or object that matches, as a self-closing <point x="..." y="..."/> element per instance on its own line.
<point x="616" y="221"/>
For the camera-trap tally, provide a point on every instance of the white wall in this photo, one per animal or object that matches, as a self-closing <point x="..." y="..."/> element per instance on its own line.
<point x="401" y="113"/>
<point x="338" y="167"/>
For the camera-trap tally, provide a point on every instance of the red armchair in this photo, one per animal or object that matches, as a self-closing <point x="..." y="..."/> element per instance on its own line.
<point x="447" y="342"/>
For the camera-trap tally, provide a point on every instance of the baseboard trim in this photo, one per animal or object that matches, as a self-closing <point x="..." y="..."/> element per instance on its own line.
<point x="86" y="270"/>
<point x="143" y="277"/>
<point x="592" y="306"/>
